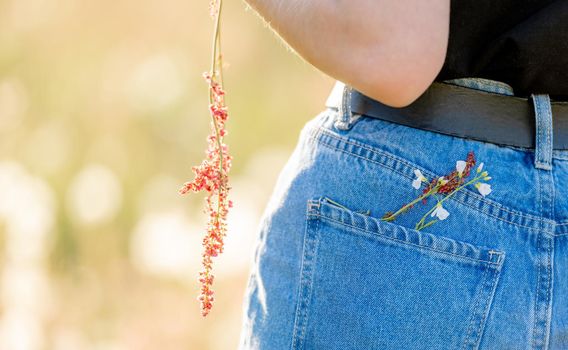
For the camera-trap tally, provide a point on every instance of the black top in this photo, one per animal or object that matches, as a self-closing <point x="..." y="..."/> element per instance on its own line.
<point x="523" y="43"/>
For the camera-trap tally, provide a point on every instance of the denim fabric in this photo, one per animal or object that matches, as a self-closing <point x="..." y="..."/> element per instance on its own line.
<point x="482" y="84"/>
<point x="327" y="273"/>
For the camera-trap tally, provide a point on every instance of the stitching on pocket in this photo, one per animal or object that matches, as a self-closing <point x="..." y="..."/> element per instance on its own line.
<point x="489" y="299"/>
<point x="480" y="314"/>
<point x="310" y="245"/>
<point x="478" y="297"/>
<point x="374" y="227"/>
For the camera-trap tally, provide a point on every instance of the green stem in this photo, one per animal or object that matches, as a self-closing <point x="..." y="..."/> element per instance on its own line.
<point x="446" y="197"/>
<point x="428" y="224"/>
<point x="411" y="203"/>
<point x="334" y="202"/>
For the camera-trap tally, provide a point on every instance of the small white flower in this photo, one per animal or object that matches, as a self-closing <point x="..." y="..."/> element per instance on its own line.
<point x="440" y="212"/>
<point x="480" y="167"/>
<point x="442" y="181"/>
<point x="483" y="188"/>
<point x="419" y="178"/>
<point x="460" y="166"/>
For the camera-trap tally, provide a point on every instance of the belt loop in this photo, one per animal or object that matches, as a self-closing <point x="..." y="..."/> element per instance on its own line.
<point x="543" y="140"/>
<point x="346" y="117"/>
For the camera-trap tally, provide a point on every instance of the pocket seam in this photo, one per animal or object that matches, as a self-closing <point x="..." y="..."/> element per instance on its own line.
<point x="303" y="299"/>
<point x="484" y="314"/>
<point x="475" y="308"/>
<point x="402" y="242"/>
<point x="315" y="210"/>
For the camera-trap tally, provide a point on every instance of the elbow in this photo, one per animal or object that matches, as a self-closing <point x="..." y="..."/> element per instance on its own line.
<point x="396" y="88"/>
<point x="397" y="98"/>
<point x="399" y="80"/>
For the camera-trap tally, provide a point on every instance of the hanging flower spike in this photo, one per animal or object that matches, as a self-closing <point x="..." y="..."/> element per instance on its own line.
<point x="440" y="212"/>
<point x="212" y="175"/>
<point x="419" y="178"/>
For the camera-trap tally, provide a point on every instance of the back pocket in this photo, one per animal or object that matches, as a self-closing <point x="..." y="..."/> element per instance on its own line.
<point x="371" y="284"/>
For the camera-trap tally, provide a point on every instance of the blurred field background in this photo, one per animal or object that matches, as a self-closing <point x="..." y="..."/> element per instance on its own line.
<point x="103" y="111"/>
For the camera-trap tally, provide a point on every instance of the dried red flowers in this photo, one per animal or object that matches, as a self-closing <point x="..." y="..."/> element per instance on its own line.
<point x="212" y="175"/>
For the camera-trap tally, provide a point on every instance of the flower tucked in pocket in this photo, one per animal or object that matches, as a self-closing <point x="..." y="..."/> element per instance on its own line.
<point x="445" y="187"/>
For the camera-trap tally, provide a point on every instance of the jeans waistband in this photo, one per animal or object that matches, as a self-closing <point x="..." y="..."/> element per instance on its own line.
<point x="473" y="108"/>
<point x="482" y="84"/>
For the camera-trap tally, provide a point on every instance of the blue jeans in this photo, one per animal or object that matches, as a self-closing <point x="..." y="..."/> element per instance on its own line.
<point x="329" y="273"/>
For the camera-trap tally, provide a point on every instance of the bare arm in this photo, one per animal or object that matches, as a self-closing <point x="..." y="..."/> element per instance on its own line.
<point x="390" y="50"/>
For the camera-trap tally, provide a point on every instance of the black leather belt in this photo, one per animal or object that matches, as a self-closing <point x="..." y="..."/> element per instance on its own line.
<point x="469" y="113"/>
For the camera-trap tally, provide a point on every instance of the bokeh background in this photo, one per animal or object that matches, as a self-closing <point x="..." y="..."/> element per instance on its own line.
<point x="103" y="111"/>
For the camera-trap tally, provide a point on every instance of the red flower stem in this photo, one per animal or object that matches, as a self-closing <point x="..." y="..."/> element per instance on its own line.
<point x="216" y="43"/>
<point x="214" y="72"/>
<point x="219" y="60"/>
<point x="216" y="38"/>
